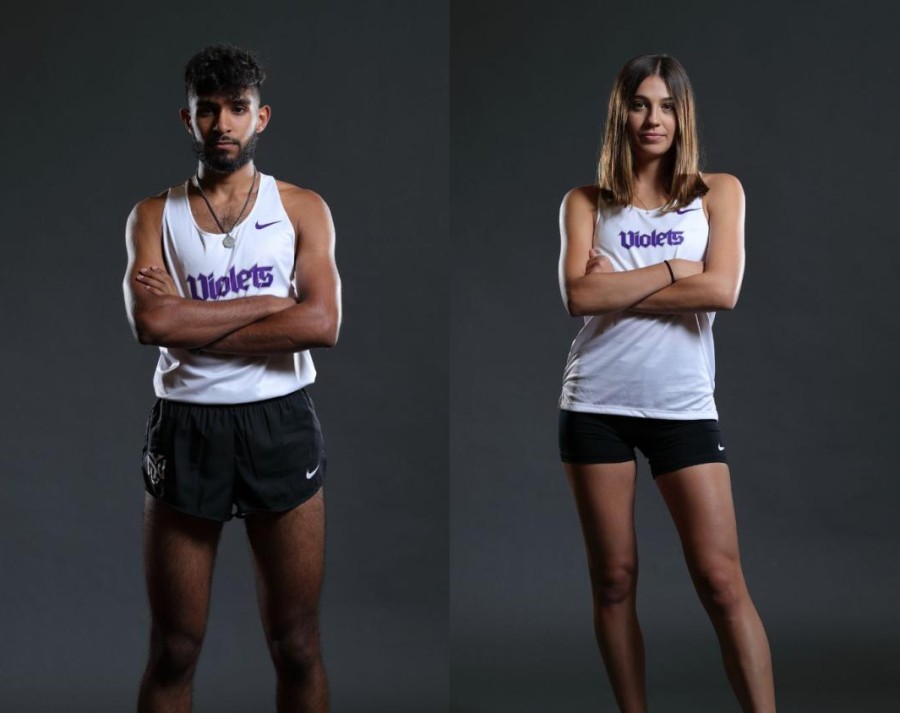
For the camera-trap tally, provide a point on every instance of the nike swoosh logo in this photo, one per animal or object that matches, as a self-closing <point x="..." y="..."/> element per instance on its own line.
<point x="265" y="225"/>
<point x="310" y="475"/>
<point x="682" y="211"/>
<point x="721" y="447"/>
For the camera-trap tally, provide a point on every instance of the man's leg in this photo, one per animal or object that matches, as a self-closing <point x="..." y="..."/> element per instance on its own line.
<point x="288" y="553"/>
<point x="179" y="552"/>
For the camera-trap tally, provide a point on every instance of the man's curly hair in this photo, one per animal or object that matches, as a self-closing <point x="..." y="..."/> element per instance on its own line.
<point x="223" y="69"/>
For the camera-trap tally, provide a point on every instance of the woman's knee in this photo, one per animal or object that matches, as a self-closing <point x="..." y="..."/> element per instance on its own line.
<point x="613" y="583"/>
<point x="721" y="586"/>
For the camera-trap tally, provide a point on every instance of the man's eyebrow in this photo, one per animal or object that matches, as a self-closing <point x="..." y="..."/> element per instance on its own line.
<point x="243" y="101"/>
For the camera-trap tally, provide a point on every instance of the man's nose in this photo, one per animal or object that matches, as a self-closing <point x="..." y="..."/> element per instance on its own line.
<point x="222" y="125"/>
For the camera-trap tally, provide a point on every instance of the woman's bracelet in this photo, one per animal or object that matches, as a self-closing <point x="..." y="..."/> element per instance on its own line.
<point x="671" y="274"/>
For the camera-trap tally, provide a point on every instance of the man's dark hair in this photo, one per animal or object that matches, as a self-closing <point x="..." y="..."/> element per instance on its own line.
<point x="223" y="69"/>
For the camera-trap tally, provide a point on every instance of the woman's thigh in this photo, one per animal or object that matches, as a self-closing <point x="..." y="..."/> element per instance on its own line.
<point x="604" y="498"/>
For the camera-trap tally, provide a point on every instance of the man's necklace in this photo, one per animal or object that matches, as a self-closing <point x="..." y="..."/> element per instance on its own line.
<point x="229" y="240"/>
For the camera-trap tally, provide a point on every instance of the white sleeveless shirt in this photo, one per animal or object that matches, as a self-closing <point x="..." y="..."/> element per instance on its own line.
<point x="650" y="366"/>
<point x="260" y="263"/>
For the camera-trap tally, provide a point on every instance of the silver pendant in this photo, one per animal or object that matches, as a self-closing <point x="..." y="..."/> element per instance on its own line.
<point x="228" y="241"/>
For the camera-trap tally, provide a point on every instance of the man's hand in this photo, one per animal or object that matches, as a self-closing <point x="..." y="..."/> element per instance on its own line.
<point x="157" y="281"/>
<point x="598" y="263"/>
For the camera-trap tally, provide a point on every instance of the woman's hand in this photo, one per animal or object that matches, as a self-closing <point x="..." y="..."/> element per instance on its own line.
<point x="680" y="268"/>
<point x="685" y="268"/>
<point x="598" y="263"/>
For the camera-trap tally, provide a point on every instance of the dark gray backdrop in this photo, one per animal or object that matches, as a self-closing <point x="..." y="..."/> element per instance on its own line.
<point x="359" y="97"/>
<point x="800" y="105"/>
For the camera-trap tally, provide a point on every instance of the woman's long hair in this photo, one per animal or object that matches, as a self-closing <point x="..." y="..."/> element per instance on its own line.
<point x="615" y="175"/>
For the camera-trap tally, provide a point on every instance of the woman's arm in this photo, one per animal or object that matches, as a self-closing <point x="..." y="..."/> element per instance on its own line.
<point x="602" y="292"/>
<point x="718" y="286"/>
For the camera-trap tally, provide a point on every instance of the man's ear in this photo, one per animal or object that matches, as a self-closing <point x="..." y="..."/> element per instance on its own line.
<point x="186" y="120"/>
<point x="265" y="114"/>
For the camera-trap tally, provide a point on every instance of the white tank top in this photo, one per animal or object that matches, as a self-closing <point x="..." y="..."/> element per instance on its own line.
<point x="650" y="366"/>
<point x="260" y="263"/>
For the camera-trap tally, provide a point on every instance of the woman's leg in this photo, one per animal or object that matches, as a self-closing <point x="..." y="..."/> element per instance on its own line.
<point x="699" y="499"/>
<point x="604" y="496"/>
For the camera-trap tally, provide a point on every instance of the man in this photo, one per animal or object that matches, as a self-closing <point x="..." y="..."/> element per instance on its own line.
<point x="232" y="275"/>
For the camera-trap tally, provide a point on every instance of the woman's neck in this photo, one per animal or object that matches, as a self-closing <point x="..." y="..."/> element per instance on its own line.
<point x="650" y="176"/>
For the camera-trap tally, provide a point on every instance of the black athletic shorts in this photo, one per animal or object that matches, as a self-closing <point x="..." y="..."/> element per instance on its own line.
<point x="221" y="461"/>
<point x="668" y="444"/>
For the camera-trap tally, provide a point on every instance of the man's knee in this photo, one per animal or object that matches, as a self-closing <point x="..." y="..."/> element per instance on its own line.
<point x="295" y="651"/>
<point x="174" y="655"/>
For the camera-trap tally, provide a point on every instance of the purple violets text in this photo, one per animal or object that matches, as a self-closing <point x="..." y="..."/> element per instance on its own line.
<point x="210" y="287"/>
<point x="637" y="239"/>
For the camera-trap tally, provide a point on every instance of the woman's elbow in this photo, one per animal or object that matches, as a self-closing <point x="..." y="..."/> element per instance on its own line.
<point x="573" y="299"/>
<point x="580" y="303"/>
<point x="572" y="307"/>
<point x="726" y="298"/>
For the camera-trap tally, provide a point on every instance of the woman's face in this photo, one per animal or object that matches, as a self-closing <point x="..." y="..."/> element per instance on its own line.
<point x="652" y="123"/>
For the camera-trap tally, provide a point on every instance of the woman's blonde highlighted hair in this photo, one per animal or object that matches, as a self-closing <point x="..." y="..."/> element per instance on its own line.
<point x="615" y="175"/>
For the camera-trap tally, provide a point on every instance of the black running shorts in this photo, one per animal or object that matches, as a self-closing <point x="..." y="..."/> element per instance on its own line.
<point x="221" y="461"/>
<point x="668" y="444"/>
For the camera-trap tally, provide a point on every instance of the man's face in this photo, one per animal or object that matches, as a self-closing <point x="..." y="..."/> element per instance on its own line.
<point x="225" y="128"/>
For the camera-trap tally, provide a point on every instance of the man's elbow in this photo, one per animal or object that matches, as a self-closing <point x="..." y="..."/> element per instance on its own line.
<point x="323" y="335"/>
<point x="332" y="328"/>
<point x="151" y="328"/>
<point x="145" y="330"/>
<point x="328" y="335"/>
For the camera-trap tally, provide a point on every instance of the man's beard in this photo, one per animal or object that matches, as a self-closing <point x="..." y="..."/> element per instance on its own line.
<point x="217" y="161"/>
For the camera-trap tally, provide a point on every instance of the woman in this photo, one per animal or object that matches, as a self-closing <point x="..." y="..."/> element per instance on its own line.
<point x="649" y="254"/>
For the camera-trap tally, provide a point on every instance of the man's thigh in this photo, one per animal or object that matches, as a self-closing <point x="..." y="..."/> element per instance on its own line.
<point x="289" y="552"/>
<point x="179" y="553"/>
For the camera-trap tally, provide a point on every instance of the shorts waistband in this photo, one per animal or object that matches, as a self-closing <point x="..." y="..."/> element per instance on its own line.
<point x="242" y="405"/>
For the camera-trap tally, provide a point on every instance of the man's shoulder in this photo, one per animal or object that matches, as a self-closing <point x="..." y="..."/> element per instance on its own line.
<point x="150" y="209"/>
<point x="296" y="198"/>
<point x="152" y="206"/>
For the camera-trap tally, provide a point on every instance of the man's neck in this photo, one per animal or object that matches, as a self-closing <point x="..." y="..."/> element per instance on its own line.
<point x="229" y="184"/>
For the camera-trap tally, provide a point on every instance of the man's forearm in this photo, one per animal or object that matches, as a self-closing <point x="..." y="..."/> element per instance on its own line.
<point x="188" y="324"/>
<point x="303" y="326"/>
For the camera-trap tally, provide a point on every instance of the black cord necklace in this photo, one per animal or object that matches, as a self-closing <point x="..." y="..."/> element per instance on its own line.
<point x="229" y="240"/>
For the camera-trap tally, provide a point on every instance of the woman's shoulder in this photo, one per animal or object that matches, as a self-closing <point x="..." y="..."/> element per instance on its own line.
<point x="721" y="183"/>
<point x="725" y="191"/>
<point x="581" y="196"/>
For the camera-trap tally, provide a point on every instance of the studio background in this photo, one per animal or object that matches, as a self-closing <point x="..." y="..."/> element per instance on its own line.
<point x="359" y="98"/>
<point x="799" y="104"/>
